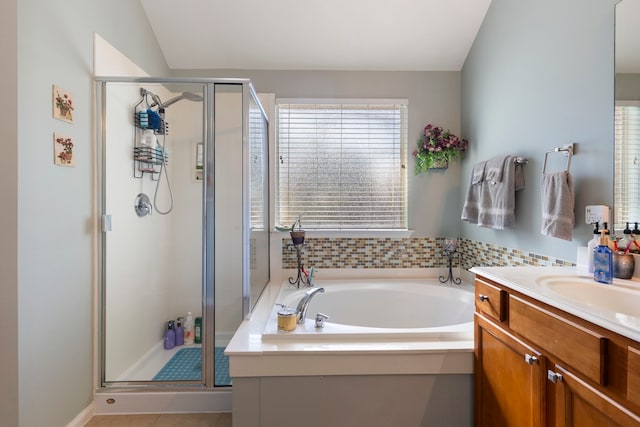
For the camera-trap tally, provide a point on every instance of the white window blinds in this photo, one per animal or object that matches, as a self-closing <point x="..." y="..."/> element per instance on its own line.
<point x="342" y="165"/>
<point x="627" y="165"/>
<point x="257" y="157"/>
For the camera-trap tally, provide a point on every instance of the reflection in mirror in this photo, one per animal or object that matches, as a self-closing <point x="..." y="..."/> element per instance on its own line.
<point x="627" y="114"/>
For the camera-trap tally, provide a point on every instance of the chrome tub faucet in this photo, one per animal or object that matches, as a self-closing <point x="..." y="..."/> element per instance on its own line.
<point x="303" y="304"/>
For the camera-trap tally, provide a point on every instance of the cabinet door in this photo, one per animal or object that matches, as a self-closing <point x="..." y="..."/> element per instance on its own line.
<point x="580" y="405"/>
<point x="509" y="379"/>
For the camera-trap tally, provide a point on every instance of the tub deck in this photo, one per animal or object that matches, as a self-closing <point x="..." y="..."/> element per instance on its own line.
<point x="254" y="354"/>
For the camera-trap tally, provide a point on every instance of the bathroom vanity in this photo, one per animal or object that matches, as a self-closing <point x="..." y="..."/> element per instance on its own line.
<point x="555" y="349"/>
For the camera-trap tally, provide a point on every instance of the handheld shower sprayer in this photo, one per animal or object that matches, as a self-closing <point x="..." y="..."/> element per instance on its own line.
<point x="156" y="99"/>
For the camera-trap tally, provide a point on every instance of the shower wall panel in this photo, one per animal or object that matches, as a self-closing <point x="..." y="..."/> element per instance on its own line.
<point x="139" y="267"/>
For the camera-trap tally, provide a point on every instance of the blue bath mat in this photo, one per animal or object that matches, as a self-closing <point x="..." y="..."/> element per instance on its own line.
<point x="221" y="362"/>
<point x="186" y="365"/>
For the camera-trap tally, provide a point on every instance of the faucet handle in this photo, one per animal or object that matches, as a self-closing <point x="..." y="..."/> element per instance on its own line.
<point x="320" y="318"/>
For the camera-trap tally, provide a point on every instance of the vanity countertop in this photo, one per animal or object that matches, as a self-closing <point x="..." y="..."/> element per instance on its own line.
<point x="615" y="307"/>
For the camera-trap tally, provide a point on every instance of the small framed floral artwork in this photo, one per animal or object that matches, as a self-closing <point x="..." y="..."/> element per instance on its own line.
<point x="63" y="150"/>
<point x="62" y="104"/>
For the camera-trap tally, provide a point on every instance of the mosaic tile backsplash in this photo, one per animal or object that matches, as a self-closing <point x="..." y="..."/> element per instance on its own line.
<point x="423" y="252"/>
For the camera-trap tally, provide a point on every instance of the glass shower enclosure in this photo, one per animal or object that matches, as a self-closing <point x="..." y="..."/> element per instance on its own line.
<point x="183" y="242"/>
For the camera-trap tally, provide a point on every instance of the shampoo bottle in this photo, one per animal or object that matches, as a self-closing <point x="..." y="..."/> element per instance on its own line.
<point x="149" y="139"/>
<point x="603" y="262"/>
<point x="170" y="336"/>
<point x="179" y="332"/>
<point x="188" y="330"/>
<point x="197" y="338"/>
<point x="591" y="246"/>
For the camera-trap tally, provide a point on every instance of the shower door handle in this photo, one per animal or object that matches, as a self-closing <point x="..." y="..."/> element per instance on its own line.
<point x="106" y="223"/>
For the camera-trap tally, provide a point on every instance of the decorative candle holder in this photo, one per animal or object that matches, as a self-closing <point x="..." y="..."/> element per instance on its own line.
<point x="450" y="248"/>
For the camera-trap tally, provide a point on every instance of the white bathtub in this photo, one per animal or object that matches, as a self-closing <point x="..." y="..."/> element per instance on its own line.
<point x="404" y="309"/>
<point x="403" y="345"/>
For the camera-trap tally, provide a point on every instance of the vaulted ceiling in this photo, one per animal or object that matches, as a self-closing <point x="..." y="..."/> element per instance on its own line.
<point x="431" y="35"/>
<point x="398" y="35"/>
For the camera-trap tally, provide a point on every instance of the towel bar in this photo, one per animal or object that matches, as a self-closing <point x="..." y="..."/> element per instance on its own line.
<point x="567" y="150"/>
<point x="521" y="160"/>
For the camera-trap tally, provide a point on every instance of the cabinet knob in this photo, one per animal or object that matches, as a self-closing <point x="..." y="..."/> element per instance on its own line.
<point x="530" y="359"/>
<point x="483" y="297"/>
<point x="554" y="377"/>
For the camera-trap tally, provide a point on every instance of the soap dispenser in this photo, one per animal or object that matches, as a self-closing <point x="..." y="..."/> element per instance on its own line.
<point x="603" y="261"/>
<point x="591" y="246"/>
<point x="635" y="235"/>
<point x="624" y="245"/>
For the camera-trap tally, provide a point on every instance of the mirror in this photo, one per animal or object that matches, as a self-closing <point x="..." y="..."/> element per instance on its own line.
<point x="627" y="127"/>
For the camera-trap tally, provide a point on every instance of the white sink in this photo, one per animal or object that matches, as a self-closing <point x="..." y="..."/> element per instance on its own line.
<point x="622" y="299"/>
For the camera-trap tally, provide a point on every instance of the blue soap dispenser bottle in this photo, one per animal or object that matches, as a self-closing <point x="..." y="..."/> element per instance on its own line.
<point x="603" y="261"/>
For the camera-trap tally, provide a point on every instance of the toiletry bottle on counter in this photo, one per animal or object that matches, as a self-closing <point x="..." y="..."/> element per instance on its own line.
<point x="626" y="242"/>
<point x="197" y="338"/>
<point x="591" y="246"/>
<point x="611" y="242"/>
<point x="188" y="330"/>
<point x="179" y="332"/>
<point x="635" y="235"/>
<point x="603" y="261"/>
<point x="170" y="336"/>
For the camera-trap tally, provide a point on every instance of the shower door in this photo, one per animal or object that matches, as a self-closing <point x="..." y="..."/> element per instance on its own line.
<point x="179" y="237"/>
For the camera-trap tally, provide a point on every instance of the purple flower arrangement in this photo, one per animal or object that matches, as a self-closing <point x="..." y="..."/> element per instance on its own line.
<point x="436" y="147"/>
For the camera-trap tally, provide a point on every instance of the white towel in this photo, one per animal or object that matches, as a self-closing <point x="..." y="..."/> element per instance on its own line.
<point x="491" y="202"/>
<point x="558" y="203"/>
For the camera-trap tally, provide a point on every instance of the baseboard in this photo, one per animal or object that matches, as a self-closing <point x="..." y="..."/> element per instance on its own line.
<point x="111" y="403"/>
<point x="83" y="417"/>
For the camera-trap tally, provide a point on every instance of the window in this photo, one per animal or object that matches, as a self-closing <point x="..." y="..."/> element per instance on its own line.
<point x="342" y="165"/>
<point x="627" y="164"/>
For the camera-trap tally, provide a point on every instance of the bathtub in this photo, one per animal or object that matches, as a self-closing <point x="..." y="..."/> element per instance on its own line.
<point x="394" y="351"/>
<point x="380" y="309"/>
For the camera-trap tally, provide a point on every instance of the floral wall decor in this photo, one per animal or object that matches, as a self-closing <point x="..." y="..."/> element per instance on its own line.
<point x="63" y="150"/>
<point x="436" y="147"/>
<point x="62" y="104"/>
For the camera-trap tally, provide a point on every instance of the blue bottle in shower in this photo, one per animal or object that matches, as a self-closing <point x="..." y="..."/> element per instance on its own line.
<point x="170" y="336"/>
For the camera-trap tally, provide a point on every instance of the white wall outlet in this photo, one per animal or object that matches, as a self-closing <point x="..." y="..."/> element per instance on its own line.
<point x="596" y="213"/>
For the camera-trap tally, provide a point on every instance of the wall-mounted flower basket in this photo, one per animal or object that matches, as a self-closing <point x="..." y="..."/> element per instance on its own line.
<point x="440" y="164"/>
<point x="436" y="148"/>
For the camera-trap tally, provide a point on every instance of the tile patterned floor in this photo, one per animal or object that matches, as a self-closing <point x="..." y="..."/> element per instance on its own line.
<point x="161" y="420"/>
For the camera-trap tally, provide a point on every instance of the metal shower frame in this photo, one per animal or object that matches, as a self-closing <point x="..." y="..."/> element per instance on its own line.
<point x="208" y="252"/>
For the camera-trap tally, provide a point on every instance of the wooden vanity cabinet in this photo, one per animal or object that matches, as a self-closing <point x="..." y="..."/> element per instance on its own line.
<point x="538" y="366"/>
<point x="509" y="379"/>
<point x="577" y="404"/>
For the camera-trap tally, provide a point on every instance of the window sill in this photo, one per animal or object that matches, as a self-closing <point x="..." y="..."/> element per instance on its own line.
<point x="394" y="234"/>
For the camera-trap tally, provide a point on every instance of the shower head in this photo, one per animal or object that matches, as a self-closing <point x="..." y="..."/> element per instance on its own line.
<point x="190" y="96"/>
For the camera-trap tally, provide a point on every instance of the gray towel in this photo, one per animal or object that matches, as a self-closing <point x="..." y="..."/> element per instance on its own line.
<point x="470" y="208"/>
<point x="491" y="202"/>
<point x="557" y="205"/>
